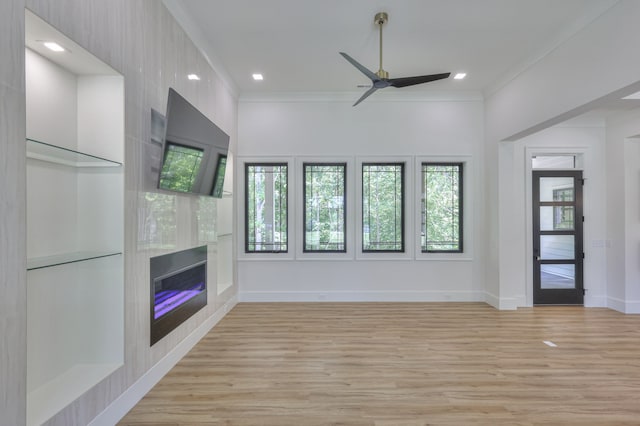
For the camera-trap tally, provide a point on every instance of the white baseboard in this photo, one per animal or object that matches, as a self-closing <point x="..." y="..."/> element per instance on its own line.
<point x="624" y="306"/>
<point x="503" y="303"/>
<point x="632" y="307"/>
<point x="595" y="302"/>
<point x="362" y="296"/>
<point x="130" y="397"/>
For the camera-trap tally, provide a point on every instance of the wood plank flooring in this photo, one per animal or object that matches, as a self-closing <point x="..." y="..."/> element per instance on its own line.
<point x="404" y="364"/>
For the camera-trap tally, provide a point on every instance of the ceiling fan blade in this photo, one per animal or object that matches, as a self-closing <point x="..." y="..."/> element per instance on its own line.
<point x="362" y="69"/>
<point x="366" y="95"/>
<point x="410" y="81"/>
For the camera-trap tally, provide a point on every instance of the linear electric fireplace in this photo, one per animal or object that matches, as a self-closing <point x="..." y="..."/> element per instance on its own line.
<point x="178" y="289"/>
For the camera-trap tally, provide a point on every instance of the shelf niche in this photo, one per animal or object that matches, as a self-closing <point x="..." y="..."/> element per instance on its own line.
<point x="75" y="221"/>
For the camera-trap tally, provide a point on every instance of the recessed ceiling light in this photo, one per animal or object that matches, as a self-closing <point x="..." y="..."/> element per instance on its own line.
<point x="193" y="77"/>
<point x="460" y="76"/>
<point x="51" y="45"/>
<point x="258" y="77"/>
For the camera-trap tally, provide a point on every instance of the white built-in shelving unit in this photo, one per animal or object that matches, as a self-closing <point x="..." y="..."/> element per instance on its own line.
<point x="75" y="222"/>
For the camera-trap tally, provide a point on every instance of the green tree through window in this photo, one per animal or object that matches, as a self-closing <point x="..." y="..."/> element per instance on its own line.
<point x="266" y="208"/>
<point x="383" y="207"/>
<point x="441" y="207"/>
<point x="180" y="168"/>
<point x="324" y="207"/>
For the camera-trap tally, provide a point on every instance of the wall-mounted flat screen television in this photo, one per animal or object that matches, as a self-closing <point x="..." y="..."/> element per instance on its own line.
<point x="194" y="150"/>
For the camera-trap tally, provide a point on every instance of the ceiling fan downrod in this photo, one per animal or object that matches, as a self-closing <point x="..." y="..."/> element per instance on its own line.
<point x="380" y="19"/>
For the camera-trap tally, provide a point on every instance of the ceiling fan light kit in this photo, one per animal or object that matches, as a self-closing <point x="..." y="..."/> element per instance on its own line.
<point x="380" y="79"/>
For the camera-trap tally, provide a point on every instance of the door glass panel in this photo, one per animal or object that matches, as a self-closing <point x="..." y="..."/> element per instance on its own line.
<point x="557" y="276"/>
<point x="557" y="218"/>
<point x="553" y="162"/>
<point x="557" y="247"/>
<point x="556" y="189"/>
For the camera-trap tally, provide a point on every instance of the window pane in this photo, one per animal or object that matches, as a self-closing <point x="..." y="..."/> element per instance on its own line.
<point x="324" y="207"/>
<point x="557" y="218"/>
<point x="441" y="207"/>
<point x="556" y="189"/>
<point x="557" y="276"/>
<point x="382" y="207"/>
<point x="553" y="162"/>
<point x="266" y="208"/>
<point x="553" y="247"/>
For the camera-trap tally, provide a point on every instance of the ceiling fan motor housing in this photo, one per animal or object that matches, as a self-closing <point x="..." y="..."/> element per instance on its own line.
<point x="381" y="18"/>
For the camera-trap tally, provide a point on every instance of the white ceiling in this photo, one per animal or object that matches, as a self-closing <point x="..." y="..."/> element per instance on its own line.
<point x="295" y="43"/>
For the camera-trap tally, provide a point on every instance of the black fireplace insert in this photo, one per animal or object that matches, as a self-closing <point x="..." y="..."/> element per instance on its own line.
<point x="178" y="289"/>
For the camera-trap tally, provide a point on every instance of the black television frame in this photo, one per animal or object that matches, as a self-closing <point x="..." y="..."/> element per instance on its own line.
<point x="187" y="126"/>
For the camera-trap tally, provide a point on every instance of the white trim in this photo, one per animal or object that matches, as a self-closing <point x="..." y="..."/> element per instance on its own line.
<point x="491" y="299"/>
<point x="624" y="306"/>
<point x="595" y="301"/>
<point x="130" y="397"/>
<point x="616" y="304"/>
<point x="632" y="307"/>
<point x="363" y="296"/>
<point x="351" y="97"/>
<point x="503" y="303"/>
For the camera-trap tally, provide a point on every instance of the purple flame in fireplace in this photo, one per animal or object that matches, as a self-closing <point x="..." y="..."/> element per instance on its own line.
<point x="168" y="300"/>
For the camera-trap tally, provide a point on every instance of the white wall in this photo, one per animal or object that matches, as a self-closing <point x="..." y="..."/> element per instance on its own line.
<point x="585" y="140"/>
<point x="598" y="64"/>
<point x="13" y="292"/>
<point x="142" y="41"/>
<point x="53" y="119"/>
<point x="623" y="212"/>
<point x="296" y="130"/>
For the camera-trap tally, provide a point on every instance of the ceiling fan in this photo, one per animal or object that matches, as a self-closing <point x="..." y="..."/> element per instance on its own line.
<point x="380" y="79"/>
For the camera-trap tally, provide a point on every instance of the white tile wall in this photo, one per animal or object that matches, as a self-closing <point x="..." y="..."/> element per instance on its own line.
<point x="12" y="257"/>
<point x="141" y="40"/>
<point x="12" y="216"/>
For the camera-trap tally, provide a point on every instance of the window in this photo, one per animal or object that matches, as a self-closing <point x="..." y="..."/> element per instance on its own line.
<point x="382" y="207"/>
<point x="563" y="215"/>
<point x="553" y="162"/>
<point x="266" y="208"/>
<point x="324" y="207"/>
<point x="441" y="229"/>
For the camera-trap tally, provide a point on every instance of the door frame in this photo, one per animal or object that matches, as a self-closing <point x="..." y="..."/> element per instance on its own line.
<point x="580" y="153"/>
<point x="563" y="296"/>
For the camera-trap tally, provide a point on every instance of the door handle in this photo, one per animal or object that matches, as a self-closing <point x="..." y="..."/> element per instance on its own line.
<point x="537" y="258"/>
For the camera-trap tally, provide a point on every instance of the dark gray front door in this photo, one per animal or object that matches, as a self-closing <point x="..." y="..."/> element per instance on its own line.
<point x="557" y="238"/>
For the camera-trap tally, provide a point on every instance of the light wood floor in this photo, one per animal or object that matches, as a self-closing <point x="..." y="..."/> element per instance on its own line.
<point x="404" y="364"/>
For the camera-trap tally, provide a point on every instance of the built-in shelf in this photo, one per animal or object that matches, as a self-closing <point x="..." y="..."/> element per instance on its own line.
<point x="62" y="259"/>
<point x="43" y="151"/>
<point x="45" y="401"/>
<point x="75" y="206"/>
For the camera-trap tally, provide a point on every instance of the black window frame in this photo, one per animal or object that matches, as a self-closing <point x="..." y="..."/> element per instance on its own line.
<point x="304" y="206"/>
<point x="423" y="207"/>
<point x="402" y="204"/>
<point x="246" y="205"/>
